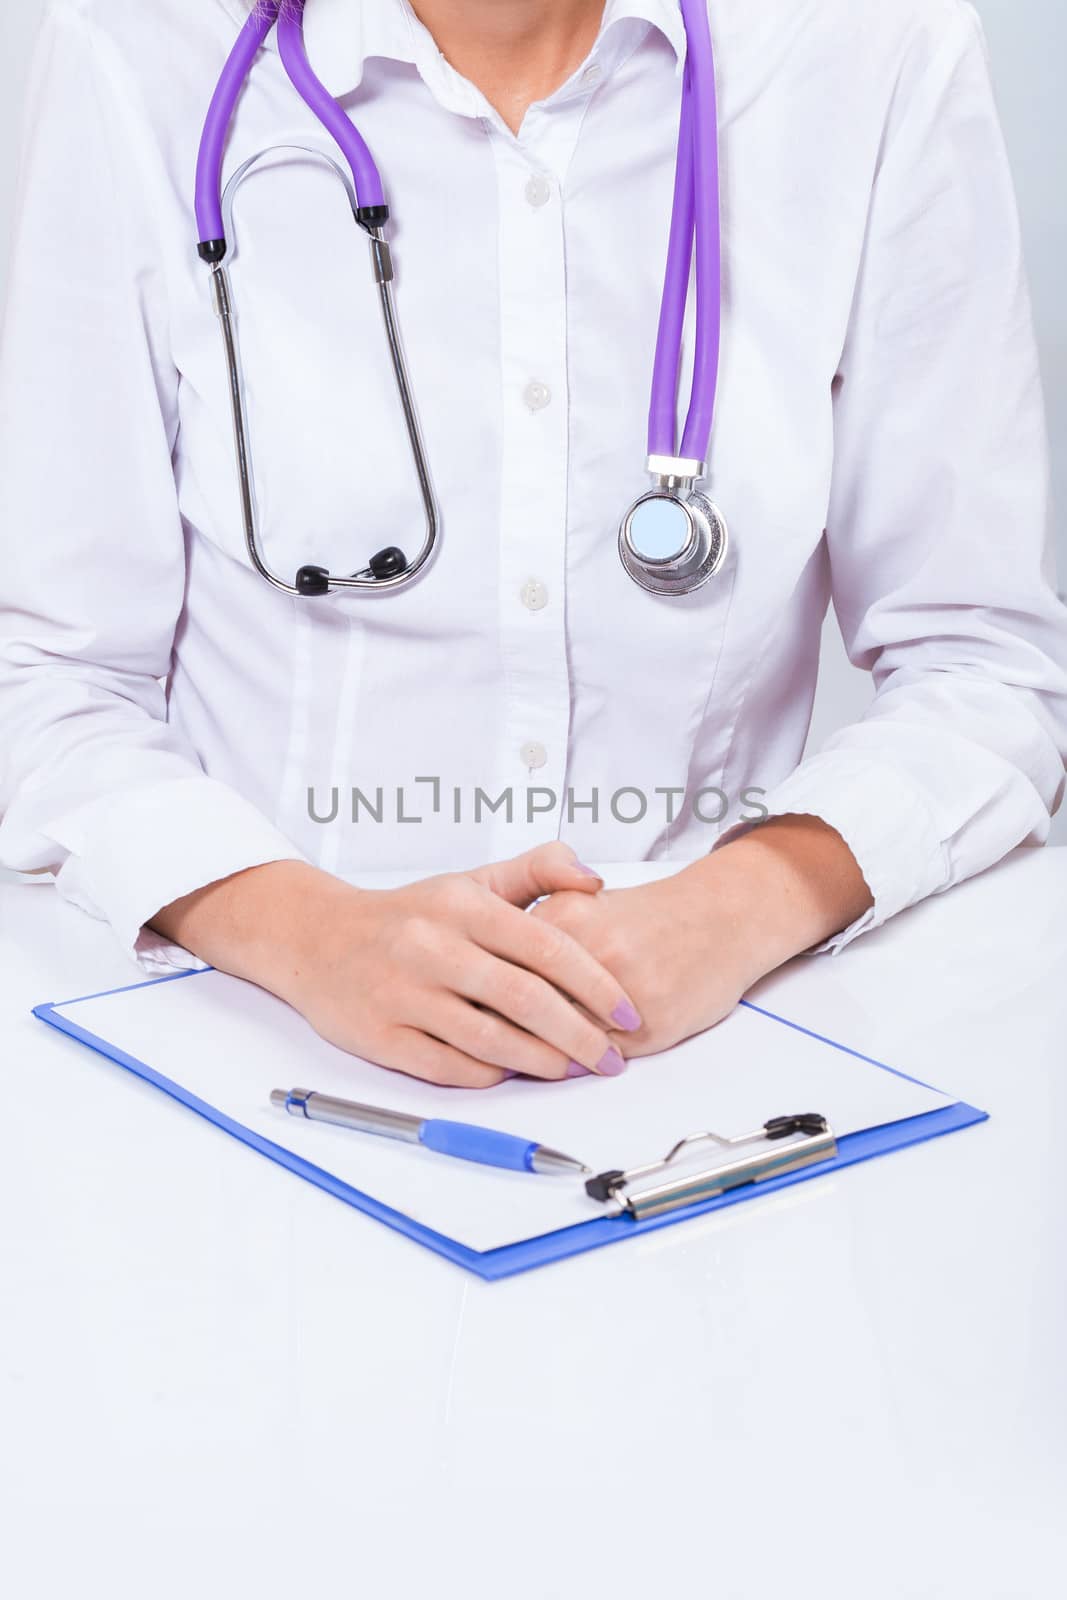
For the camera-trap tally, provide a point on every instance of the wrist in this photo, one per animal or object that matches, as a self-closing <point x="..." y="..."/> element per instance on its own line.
<point x="783" y="887"/>
<point x="263" y="924"/>
<point x="284" y="917"/>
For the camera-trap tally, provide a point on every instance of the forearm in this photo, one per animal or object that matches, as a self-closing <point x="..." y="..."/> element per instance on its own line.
<point x="784" y="887"/>
<point x="259" y="924"/>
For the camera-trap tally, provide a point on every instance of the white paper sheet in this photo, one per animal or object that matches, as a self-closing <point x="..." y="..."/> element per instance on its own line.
<point x="231" y="1044"/>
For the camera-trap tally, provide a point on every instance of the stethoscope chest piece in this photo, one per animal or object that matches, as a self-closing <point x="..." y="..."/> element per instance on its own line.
<point x="671" y="543"/>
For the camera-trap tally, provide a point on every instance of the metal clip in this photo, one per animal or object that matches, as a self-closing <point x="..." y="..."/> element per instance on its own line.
<point x="220" y="292"/>
<point x="811" y="1140"/>
<point x="381" y="258"/>
<point x="676" y="472"/>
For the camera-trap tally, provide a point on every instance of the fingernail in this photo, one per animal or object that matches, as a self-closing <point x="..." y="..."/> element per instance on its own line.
<point x="624" y="1016"/>
<point x="580" y="866"/>
<point x="611" y="1064"/>
<point x="576" y="1070"/>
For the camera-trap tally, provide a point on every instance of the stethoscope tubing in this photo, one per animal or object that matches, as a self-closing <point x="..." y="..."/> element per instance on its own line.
<point x="219" y="117"/>
<point x="321" y="103"/>
<point x="704" y="132"/>
<point x="695" y="229"/>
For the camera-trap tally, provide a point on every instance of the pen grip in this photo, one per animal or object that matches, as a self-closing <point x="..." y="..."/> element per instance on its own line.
<point x="471" y="1143"/>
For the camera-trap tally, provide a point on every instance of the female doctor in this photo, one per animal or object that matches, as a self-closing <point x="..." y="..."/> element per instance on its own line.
<point x="374" y="494"/>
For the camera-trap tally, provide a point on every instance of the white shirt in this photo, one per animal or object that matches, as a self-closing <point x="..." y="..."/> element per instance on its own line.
<point x="879" y="442"/>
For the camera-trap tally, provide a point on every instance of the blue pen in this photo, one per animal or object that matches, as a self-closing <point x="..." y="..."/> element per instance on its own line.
<point x="462" y="1139"/>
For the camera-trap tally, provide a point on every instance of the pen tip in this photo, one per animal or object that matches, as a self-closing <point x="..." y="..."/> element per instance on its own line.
<point x="554" y="1161"/>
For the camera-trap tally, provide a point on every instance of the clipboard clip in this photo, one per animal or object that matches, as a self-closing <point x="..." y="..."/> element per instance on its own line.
<point x="810" y="1139"/>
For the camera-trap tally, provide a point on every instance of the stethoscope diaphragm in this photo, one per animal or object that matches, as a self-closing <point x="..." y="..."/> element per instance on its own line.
<point x="672" y="542"/>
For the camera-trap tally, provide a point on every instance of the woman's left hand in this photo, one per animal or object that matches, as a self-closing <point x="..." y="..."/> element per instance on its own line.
<point x="686" y="948"/>
<point x="672" y="946"/>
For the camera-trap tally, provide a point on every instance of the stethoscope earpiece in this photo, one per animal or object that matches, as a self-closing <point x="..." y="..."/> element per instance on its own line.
<point x="312" y="581"/>
<point x="390" y="563"/>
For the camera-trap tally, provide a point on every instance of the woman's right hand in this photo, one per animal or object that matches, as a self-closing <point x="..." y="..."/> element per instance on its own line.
<point x="447" y="979"/>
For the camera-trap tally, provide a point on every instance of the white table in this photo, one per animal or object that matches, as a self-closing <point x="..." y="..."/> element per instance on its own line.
<point x="218" y="1381"/>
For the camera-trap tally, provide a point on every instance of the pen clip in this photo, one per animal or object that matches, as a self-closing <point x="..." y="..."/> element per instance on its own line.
<point x="292" y="1100"/>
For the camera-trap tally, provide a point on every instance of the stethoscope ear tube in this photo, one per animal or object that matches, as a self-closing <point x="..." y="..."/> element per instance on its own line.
<point x="321" y="103"/>
<point x="388" y="568"/>
<point x="212" y="234"/>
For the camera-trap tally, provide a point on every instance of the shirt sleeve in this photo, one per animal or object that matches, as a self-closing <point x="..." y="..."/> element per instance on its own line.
<point x="94" y="784"/>
<point x="938" y="529"/>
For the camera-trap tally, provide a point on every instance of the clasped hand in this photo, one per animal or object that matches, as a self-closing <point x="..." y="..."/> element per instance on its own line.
<point x="451" y="980"/>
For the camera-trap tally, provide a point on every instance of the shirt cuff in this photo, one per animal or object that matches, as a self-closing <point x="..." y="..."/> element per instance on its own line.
<point x="133" y="853"/>
<point x="883" y="817"/>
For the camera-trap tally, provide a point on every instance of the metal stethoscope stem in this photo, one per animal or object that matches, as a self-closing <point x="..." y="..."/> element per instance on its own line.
<point x="311" y="580"/>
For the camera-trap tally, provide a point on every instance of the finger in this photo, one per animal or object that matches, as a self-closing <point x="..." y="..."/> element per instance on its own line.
<point x="521" y="997"/>
<point x="536" y="944"/>
<point x="486" y="1036"/>
<point x="538" y="872"/>
<point x="421" y="1055"/>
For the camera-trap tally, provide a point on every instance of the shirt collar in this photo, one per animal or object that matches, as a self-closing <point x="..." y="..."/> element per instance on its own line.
<point x="342" y="35"/>
<point x="664" y="15"/>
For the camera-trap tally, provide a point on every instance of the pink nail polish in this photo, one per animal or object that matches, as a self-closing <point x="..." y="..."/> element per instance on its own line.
<point x="611" y="1063"/>
<point x="576" y="1070"/>
<point x="624" y="1016"/>
<point x="580" y="866"/>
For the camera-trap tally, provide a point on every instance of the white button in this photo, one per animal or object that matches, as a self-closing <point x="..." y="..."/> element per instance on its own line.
<point x="537" y="396"/>
<point x="591" y="74"/>
<point x="533" y="754"/>
<point x="534" y="595"/>
<point x="538" y="190"/>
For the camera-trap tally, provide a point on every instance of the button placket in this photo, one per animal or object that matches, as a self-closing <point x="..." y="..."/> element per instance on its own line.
<point x="533" y="494"/>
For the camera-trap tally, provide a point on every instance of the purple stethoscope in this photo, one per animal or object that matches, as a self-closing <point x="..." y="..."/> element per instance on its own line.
<point x="672" y="539"/>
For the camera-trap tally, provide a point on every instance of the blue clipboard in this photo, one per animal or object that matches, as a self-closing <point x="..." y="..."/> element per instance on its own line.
<point x="510" y="1259"/>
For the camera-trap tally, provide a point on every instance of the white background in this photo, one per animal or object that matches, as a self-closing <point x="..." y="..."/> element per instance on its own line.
<point x="1028" y="41"/>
